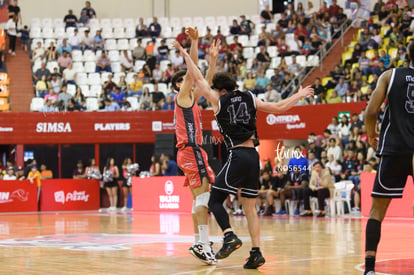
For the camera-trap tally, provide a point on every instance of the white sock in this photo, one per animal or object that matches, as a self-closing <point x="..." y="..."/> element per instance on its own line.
<point x="196" y="237"/>
<point x="203" y="231"/>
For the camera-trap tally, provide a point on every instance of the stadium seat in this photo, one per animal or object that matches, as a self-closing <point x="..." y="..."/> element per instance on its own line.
<point x="95" y="90"/>
<point x="110" y="44"/>
<point x="36" y="22"/>
<point x="149" y="86"/>
<point x="134" y="102"/>
<point x="117" y="76"/>
<point x="105" y="23"/>
<point x="78" y="67"/>
<point x="47" y="32"/>
<point x="175" y="22"/>
<point x="89" y="56"/>
<point x="162" y="87"/>
<point x="393" y="52"/>
<point x="60" y="32"/>
<point x="129" y="22"/>
<point x="138" y="65"/>
<point x="301" y="60"/>
<point x="116" y="67"/>
<point x="4" y="90"/>
<point x="35" y="32"/>
<point x="117" y="23"/>
<point x="186" y="21"/>
<point x="71" y="89"/>
<point x="313" y="61"/>
<point x="76" y="55"/>
<point x="275" y="62"/>
<point x="36" y="104"/>
<point x="370" y="53"/>
<point x="94" y="79"/>
<point x="58" y="22"/>
<point x="107" y="33"/>
<point x="248" y="52"/>
<point x="81" y="78"/>
<point x="119" y="33"/>
<point x="164" y="64"/>
<point x="113" y="56"/>
<point x="90" y="67"/>
<point x="92" y="104"/>
<point x="51" y="65"/>
<point x="85" y="90"/>
<point x="123" y="44"/>
<point x="4" y="105"/>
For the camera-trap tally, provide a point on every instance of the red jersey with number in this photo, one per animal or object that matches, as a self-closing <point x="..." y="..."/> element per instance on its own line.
<point x="187" y="125"/>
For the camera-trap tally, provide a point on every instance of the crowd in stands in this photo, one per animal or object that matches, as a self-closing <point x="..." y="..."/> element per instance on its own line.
<point x="340" y="153"/>
<point x="264" y="55"/>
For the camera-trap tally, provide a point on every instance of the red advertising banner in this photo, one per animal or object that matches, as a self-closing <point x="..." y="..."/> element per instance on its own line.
<point x="18" y="196"/>
<point x="69" y="195"/>
<point x="398" y="207"/>
<point x="141" y="127"/>
<point x="161" y="194"/>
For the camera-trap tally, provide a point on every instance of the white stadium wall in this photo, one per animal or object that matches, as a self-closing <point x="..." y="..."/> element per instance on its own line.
<point x="137" y="8"/>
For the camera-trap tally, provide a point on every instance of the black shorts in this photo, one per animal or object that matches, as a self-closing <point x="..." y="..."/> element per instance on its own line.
<point x="242" y="171"/>
<point x="111" y="184"/>
<point x="392" y="175"/>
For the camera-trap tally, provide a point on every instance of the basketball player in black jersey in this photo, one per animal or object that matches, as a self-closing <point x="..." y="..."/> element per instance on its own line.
<point x="395" y="147"/>
<point x="235" y="113"/>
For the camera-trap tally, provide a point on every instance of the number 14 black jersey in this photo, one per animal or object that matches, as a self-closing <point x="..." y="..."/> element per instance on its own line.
<point x="236" y="118"/>
<point x="397" y="129"/>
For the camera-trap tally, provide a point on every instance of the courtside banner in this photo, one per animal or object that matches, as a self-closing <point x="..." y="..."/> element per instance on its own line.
<point x="69" y="195"/>
<point x="401" y="208"/>
<point x="161" y="194"/>
<point x="141" y="127"/>
<point x="18" y="196"/>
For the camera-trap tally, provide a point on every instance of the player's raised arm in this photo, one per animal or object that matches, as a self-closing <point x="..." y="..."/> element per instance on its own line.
<point x="377" y="98"/>
<point x="213" y="51"/>
<point x="286" y="104"/>
<point x="193" y="34"/>
<point x="194" y="72"/>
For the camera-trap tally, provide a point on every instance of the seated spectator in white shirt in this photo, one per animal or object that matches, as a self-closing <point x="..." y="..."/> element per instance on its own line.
<point x="69" y="75"/>
<point x="271" y="95"/>
<point x="38" y="53"/>
<point x="10" y="174"/>
<point x="87" y="41"/>
<point x="177" y="60"/>
<point x="126" y="62"/>
<point x="75" y="41"/>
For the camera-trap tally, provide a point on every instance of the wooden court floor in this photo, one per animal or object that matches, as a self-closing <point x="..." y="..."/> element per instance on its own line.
<point x="154" y="243"/>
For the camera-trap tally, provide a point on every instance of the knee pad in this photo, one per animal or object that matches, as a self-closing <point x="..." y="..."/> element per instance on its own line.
<point x="202" y="200"/>
<point x="193" y="210"/>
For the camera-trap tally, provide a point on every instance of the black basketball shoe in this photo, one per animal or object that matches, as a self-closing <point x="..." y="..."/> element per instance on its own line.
<point x="230" y="244"/>
<point x="255" y="260"/>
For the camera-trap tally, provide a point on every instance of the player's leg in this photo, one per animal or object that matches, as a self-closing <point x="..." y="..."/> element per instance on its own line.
<point x="389" y="183"/>
<point x="249" y="206"/>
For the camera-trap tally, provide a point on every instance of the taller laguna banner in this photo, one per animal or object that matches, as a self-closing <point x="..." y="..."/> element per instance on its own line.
<point x="141" y="127"/>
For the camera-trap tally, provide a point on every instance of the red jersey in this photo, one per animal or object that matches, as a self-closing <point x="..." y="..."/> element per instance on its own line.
<point x="187" y="125"/>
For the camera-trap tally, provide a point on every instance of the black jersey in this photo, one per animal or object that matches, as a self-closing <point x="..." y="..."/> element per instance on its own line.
<point x="236" y="118"/>
<point x="397" y="128"/>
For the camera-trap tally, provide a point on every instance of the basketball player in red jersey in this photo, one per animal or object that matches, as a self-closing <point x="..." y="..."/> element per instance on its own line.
<point x="191" y="158"/>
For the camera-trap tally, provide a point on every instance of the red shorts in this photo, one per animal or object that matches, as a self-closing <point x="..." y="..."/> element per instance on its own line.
<point x="193" y="162"/>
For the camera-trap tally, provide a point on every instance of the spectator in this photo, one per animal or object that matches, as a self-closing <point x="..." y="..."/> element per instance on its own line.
<point x="155" y="168"/>
<point x="90" y="12"/>
<point x="320" y="186"/>
<point x="25" y="38"/>
<point x="34" y="177"/>
<point x="53" y="97"/>
<point x="246" y="25"/>
<point x="266" y="15"/>
<point x="277" y="185"/>
<point x="169" y="166"/>
<point x="168" y="104"/>
<point x="110" y="106"/>
<point x="98" y="41"/>
<point x="141" y="30"/>
<point x="163" y="51"/>
<point x="356" y="122"/>
<point x="263" y="58"/>
<point x="45" y="173"/>
<point x="118" y="96"/>
<point x="135" y="87"/>
<point x="334" y="149"/>
<point x="157" y="74"/>
<point x="109" y="85"/>
<point x="52" y="53"/>
<point x="86" y="41"/>
<point x="344" y="130"/>
<point x="70" y="20"/>
<point x="64" y="97"/>
<point x="158" y="97"/>
<point x="127" y="64"/>
<point x="294" y="68"/>
<point x="349" y="165"/>
<point x="334" y="98"/>
<point x="75" y="41"/>
<point x="334" y="167"/>
<point x="249" y="82"/>
<point x="319" y="90"/>
<point x="79" y="100"/>
<point x="341" y="88"/>
<point x="235" y="28"/>
<point x="139" y="52"/>
<point x="79" y="172"/>
<point x="333" y="9"/>
<point x="69" y="75"/>
<point x="261" y="83"/>
<point x="154" y="29"/>
<point x="84" y="19"/>
<point x="14" y="11"/>
<point x="177" y="61"/>
<point x="182" y="36"/>
<point x="271" y="95"/>
<point x="42" y="87"/>
<point x="20" y="173"/>
<point x="63" y="61"/>
<point x="236" y="45"/>
<point x="65" y="47"/>
<point x="299" y="161"/>
<point x="10" y="174"/>
<point x="40" y="72"/>
<point x="334" y="126"/>
<point x="283" y="48"/>
<point x="11" y="27"/>
<point x="265" y="186"/>
<point x="313" y="148"/>
<point x="296" y="184"/>
<point x="38" y="53"/>
<point x="103" y="64"/>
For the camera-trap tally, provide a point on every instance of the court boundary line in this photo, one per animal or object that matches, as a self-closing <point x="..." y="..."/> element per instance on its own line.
<point x="359" y="266"/>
